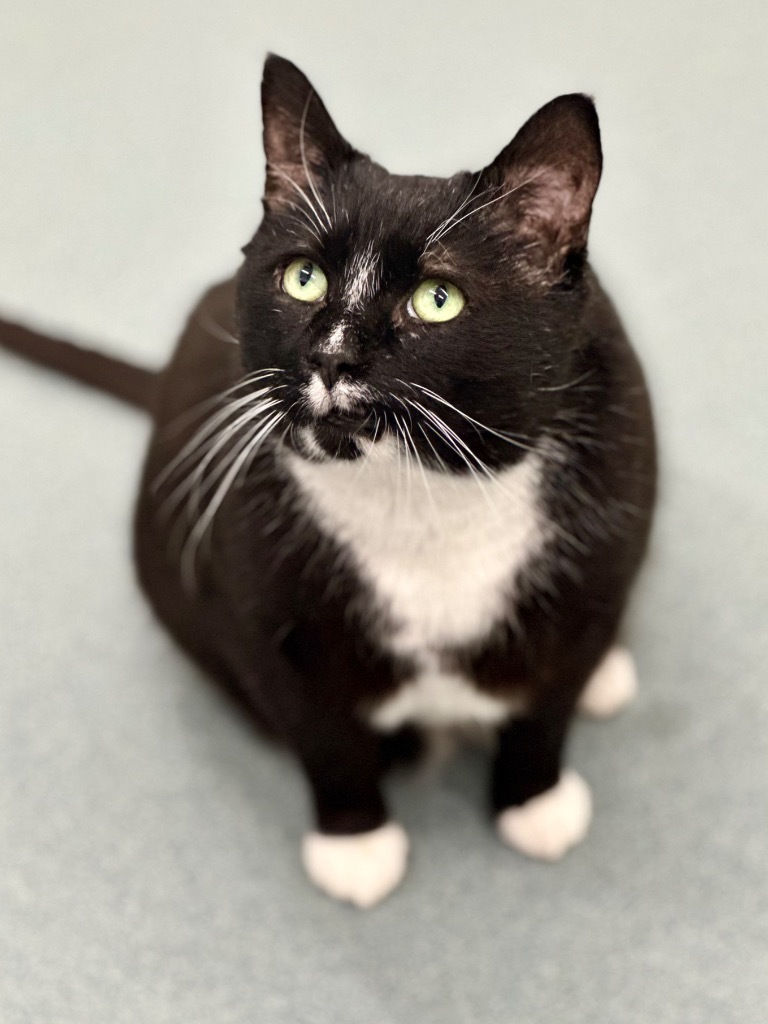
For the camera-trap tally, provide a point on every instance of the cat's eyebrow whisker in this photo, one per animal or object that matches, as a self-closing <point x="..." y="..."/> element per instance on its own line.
<point x="196" y="535"/>
<point x="308" y="223"/>
<point x="490" y="202"/>
<point x="302" y="193"/>
<point x="315" y="193"/>
<point x="440" y="230"/>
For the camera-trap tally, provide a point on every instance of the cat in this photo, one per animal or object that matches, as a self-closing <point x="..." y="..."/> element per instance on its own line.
<point x="402" y="474"/>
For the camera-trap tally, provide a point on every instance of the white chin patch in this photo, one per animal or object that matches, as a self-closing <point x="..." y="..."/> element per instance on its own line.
<point x="549" y="824"/>
<point x="360" y="869"/>
<point x="611" y="686"/>
<point x="309" y="446"/>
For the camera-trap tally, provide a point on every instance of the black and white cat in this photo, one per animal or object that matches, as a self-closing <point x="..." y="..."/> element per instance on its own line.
<point x="402" y="474"/>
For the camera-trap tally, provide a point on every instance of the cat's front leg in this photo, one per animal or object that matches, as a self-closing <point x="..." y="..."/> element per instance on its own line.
<point x="356" y="853"/>
<point x="541" y="810"/>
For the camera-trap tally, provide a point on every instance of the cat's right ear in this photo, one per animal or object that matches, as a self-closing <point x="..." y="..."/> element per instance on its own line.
<point x="545" y="182"/>
<point x="301" y="142"/>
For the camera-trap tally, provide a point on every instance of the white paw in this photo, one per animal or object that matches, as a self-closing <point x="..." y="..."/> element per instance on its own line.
<point x="362" y="868"/>
<point x="611" y="686"/>
<point x="549" y="824"/>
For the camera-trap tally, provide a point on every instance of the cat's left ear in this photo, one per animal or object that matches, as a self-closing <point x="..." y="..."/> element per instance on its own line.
<point x="301" y="142"/>
<point x="548" y="176"/>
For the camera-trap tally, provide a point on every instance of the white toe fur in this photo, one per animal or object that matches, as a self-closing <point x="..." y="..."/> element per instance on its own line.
<point x="549" y="824"/>
<point x="611" y="686"/>
<point x="361" y="868"/>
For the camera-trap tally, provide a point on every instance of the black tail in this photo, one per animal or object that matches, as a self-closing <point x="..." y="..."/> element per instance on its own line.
<point x="132" y="384"/>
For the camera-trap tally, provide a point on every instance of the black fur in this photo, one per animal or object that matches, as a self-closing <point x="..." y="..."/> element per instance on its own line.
<point x="272" y="606"/>
<point x="538" y="352"/>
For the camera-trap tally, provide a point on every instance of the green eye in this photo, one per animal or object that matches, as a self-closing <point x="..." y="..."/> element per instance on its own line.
<point x="436" y="301"/>
<point x="304" y="280"/>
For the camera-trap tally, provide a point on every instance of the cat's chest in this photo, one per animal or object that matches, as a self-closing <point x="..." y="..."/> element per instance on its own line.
<point x="441" y="554"/>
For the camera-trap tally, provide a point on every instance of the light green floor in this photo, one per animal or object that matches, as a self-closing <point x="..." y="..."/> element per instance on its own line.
<point x="149" y="867"/>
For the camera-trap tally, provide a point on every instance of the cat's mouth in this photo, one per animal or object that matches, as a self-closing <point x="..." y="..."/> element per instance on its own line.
<point x="340" y="422"/>
<point x="356" y="424"/>
<point x="337" y="436"/>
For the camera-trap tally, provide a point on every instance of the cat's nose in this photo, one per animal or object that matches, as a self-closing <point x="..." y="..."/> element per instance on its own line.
<point x="333" y="365"/>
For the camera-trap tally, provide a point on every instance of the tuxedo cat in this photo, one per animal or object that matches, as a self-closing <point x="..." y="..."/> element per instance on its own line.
<point x="402" y="474"/>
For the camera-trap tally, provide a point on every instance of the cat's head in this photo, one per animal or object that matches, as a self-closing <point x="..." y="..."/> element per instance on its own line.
<point x="438" y="314"/>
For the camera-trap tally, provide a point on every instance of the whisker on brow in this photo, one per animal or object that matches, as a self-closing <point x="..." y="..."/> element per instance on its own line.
<point x="490" y="202"/>
<point x="315" y="193"/>
<point x="311" y="206"/>
<point x="441" y="228"/>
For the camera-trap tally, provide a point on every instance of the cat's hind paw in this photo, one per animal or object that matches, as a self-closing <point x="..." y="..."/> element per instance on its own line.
<point x="611" y="686"/>
<point x="548" y="825"/>
<point x="362" y="868"/>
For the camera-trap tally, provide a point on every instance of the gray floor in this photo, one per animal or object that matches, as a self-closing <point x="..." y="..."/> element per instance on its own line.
<point x="148" y="843"/>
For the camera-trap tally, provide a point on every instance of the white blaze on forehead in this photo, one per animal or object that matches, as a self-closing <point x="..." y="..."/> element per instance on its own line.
<point x="363" y="278"/>
<point x="335" y="340"/>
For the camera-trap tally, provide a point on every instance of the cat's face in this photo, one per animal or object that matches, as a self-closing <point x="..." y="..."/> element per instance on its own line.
<point x="437" y="314"/>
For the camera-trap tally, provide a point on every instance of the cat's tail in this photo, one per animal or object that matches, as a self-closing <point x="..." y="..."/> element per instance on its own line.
<point x="132" y="384"/>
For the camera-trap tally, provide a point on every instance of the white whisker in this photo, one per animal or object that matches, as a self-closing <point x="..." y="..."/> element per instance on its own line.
<point x="507" y="436"/>
<point x="210" y="426"/>
<point x="301" y="192"/>
<point x="441" y="429"/>
<point x="436" y="235"/>
<point x="196" y="535"/>
<point x="216" y="330"/>
<point x="179" y="422"/>
<point x="205" y="457"/>
<point x="490" y="202"/>
<point x="315" y="193"/>
<point x="419" y="462"/>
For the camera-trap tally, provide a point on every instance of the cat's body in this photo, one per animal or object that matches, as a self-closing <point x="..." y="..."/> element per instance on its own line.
<point x="397" y="524"/>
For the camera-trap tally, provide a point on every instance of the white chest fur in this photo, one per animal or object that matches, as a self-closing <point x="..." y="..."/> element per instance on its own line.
<point x="442" y="555"/>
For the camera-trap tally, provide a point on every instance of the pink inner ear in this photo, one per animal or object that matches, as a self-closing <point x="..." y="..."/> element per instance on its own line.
<point x="549" y="211"/>
<point x="559" y="196"/>
<point x="286" y="170"/>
